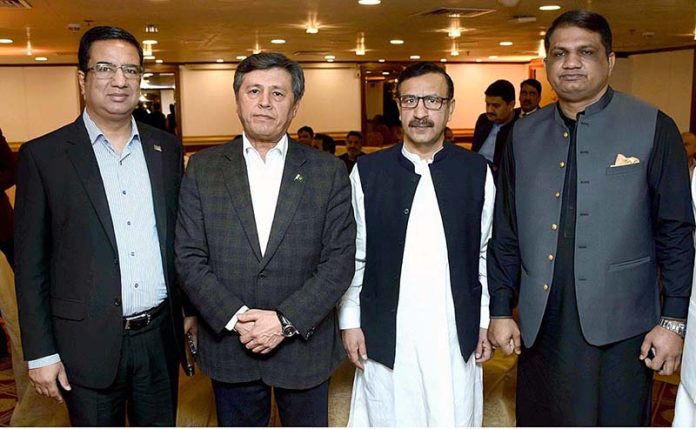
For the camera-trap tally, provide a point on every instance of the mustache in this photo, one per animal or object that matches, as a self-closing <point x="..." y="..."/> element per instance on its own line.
<point x="421" y="123"/>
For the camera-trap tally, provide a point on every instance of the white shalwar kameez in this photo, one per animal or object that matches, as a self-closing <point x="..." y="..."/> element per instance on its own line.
<point x="431" y="384"/>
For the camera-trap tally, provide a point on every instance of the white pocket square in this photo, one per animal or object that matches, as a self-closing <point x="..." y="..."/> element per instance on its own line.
<point x="622" y="160"/>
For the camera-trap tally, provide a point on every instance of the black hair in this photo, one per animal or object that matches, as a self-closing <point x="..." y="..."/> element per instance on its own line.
<point x="102" y="32"/>
<point x="503" y="89"/>
<point x="270" y="60"/>
<point x="533" y="83"/>
<point x="422" y="68"/>
<point x="590" y="21"/>
<point x="354" y="133"/>
<point x="308" y="129"/>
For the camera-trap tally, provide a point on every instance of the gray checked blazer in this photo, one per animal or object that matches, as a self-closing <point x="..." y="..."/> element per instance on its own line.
<point x="308" y="264"/>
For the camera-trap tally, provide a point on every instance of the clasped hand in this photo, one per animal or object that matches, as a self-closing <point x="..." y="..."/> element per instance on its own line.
<point x="259" y="330"/>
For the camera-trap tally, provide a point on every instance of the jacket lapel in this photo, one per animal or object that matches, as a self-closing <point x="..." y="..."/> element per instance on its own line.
<point x="234" y="172"/>
<point x="82" y="156"/>
<point x="153" y="158"/>
<point x="291" y="189"/>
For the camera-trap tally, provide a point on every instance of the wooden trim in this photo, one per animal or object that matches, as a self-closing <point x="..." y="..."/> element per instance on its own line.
<point x="626" y="54"/>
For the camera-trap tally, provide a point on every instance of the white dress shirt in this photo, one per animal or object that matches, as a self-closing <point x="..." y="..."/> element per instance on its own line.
<point x="264" y="185"/>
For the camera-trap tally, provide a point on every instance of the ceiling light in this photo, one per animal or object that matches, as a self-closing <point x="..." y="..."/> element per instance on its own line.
<point x="506" y="43"/>
<point x="396" y="42"/>
<point x="415" y="57"/>
<point x="479" y="60"/>
<point x="159" y="61"/>
<point x="385" y="73"/>
<point x="149" y="42"/>
<point x="219" y="60"/>
<point x="369" y="2"/>
<point x="151" y="28"/>
<point x="278" y="41"/>
<point x="41" y="59"/>
<point x="329" y="57"/>
<point x="541" y="51"/>
<point x="381" y="60"/>
<point x="312" y="29"/>
<point x="443" y="60"/>
<point x="360" y="51"/>
<point x="454" y="32"/>
<point x="146" y="75"/>
<point x="542" y="33"/>
<point x="241" y="57"/>
<point x="493" y="57"/>
<point x="149" y="57"/>
<point x="329" y="60"/>
<point x="454" y="51"/>
<point x="549" y="7"/>
<point x="6" y="41"/>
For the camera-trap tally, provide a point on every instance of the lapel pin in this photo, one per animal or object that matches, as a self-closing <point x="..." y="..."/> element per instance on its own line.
<point x="158" y="148"/>
<point x="299" y="178"/>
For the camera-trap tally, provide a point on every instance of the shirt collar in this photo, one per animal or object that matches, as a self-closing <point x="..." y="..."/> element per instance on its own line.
<point x="281" y="147"/>
<point x="416" y="159"/>
<point x="94" y="132"/>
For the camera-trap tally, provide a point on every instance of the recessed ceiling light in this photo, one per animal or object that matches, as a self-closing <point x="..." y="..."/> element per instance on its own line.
<point x="479" y="60"/>
<point x="219" y="60"/>
<point x="368" y="71"/>
<point x="369" y="2"/>
<point x="396" y="42"/>
<point x="329" y="57"/>
<point x="151" y="28"/>
<point x="493" y="57"/>
<point x="549" y="7"/>
<point x="6" y="41"/>
<point x="385" y="73"/>
<point x="146" y="75"/>
<point x="542" y="33"/>
<point x="381" y="60"/>
<point x="415" y="57"/>
<point x="443" y="60"/>
<point x="241" y="57"/>
<point x="312" y="29"/>
<point x="506" y="43"/>
<point x="329" y="61"/>
<point x="360" y="52"/>
<point x="159" y="61"/>
<point x="41" y="59"/>
<point x="149" y="57"/>
<point x="149" y="42"/>
<point x="278" y="41"/>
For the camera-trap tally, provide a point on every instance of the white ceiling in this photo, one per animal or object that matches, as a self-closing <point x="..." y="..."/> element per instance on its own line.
<point x="205" y="30"/>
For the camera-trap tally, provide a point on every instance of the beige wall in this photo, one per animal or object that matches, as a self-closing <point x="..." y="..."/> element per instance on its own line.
<point x="470" y="82"/>
<point x="331" y="101"/>
<point x="36" y="100"/>
<point x="663" y="79"/>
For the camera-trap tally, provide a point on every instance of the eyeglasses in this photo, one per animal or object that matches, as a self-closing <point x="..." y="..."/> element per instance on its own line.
<point x="430" y="102"/>
<point x="108" y="70"/>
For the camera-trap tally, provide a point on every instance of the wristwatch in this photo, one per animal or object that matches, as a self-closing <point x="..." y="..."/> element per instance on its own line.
<point x="676" y="326"/>
<point x="286" y="327"/>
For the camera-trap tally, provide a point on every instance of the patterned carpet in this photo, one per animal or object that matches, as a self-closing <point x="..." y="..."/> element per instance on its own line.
<point x="664" y="395"/>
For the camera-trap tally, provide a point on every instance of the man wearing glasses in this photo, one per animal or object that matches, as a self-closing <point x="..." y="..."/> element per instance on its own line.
<point x="413" y="320"/>
<point x="99" y="307"/>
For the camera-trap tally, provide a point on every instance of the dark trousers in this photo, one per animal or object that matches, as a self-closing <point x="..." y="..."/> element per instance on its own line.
<point x="249" y="404"/>
<point x="145" y="386"/>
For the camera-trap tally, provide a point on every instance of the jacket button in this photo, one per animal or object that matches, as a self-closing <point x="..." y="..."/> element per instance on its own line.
<point x="117" y="302"/>
<point x="550" y="258"/>
<point x="565" y="134"/>
<point x="546" y="287"/>
<point x="406" y="211"/>
<point x="554" y="226"/>
<point x="262" y="275"/>
<point x="557" y="195"/>
<point x="562" y="164"/>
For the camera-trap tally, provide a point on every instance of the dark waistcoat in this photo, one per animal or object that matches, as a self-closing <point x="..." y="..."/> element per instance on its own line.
<point x="389" y="184"/>
<point x="614" y="254"/>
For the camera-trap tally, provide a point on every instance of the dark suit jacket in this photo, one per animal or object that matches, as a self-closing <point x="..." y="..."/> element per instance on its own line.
<point x="68" y="280"/>
<point x="7" y="180"/>
<point x="308" y="263"/>
<point x="483" y="128"/>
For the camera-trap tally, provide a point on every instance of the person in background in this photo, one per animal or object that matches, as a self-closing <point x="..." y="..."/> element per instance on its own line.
<point x="689" y="140"/>
<point x="305" y="135"/>
<point x="449" y="134"/>
<point x="171" y="119"/>
<point x="157" y="118"/>
<point x="530" y="94"/>
<point x="354" y="143"/>
<point x="100" y="310"/>
<point x="325" y="143"/>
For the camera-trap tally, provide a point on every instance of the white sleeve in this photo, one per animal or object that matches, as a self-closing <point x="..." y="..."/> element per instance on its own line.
<point x="44" y="361"/>
<point x="349" y="306"/>
<point x="486" y="230"/>
<point x="233" y="321"/>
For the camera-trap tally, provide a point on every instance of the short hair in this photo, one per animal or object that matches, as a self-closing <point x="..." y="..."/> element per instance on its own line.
<point x="422" y="68"/>
<point x="533" y="83"/>
<point x="104" y="32"/>
<point x="503" y="89"/>
<point x="306" y="128"/>
<point x="354" y="133"/>
<point x="271" y="60"/>
<point x="590" y="21"/>
<point x="327" y="142"/>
